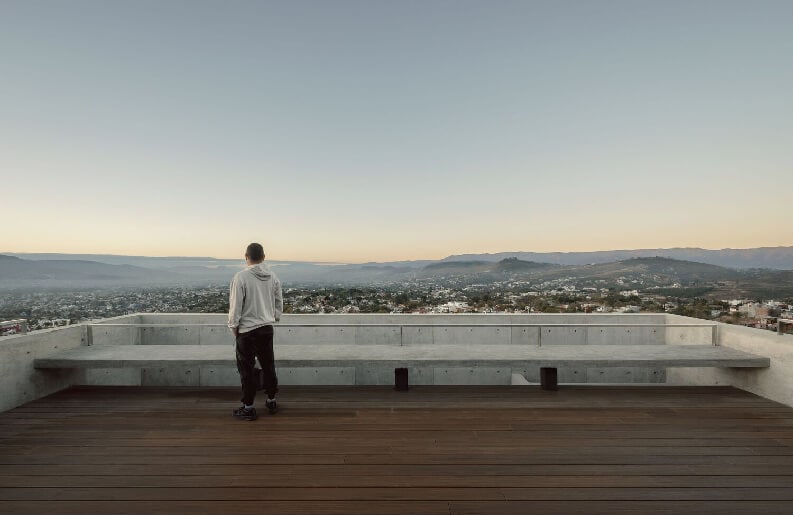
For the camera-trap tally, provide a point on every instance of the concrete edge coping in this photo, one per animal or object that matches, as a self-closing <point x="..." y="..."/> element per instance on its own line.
<point x="506" y="324"/>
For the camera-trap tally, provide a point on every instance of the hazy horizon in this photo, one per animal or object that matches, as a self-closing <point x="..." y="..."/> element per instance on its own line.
<point x="437" y="258"/>
<point x="357" y="131"/>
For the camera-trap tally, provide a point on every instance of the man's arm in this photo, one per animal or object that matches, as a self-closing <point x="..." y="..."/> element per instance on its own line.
<point x="236" y="296"/>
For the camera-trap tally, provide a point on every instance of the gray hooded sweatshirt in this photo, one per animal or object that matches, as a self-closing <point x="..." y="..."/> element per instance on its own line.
<point x="255" y="298"/>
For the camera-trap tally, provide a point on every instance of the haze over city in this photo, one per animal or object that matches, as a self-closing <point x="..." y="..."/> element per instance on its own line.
<point x="355" y="131"/>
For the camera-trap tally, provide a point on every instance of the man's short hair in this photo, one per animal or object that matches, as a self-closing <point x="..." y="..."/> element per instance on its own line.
<point x="255" y="252"/>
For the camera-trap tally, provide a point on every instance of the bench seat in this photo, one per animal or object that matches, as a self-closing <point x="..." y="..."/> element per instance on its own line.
<point x="553" y="356"/>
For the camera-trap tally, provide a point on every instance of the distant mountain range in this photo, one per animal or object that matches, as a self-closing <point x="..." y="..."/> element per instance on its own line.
<point x="768" y="269"/>
<point x="664" y="275"/>
<point x="505" y="266"/>
<point x="780" y="258"/>
<point x="20" y="273"/>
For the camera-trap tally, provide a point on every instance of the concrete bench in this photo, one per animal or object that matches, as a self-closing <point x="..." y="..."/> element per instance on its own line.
<point x="547" y="358"/>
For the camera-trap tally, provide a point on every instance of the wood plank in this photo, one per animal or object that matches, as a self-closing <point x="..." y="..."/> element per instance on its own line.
<point x="724" y="469"/>
<point x="271" y="493"/>
<point x="489" y="454"/>
<point x="380" y="494"/>
<point x="188" y="507"/>
<point x="235" y="479"/>
<point x="666" y="507"/>
<point x="456" y="458"/>
<point x="372" y="450"/>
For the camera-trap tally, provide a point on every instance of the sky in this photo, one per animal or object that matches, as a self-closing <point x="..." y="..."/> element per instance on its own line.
<point x="352" y="131"/>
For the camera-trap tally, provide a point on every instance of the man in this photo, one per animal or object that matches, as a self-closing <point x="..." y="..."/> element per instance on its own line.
<point x="255" y="304"/>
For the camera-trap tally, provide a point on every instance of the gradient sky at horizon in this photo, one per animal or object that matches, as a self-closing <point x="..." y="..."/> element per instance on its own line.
<point x="353" y="131"/>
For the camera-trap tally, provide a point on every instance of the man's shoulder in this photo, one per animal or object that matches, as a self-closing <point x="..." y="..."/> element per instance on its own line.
<point x="239" y="275"/>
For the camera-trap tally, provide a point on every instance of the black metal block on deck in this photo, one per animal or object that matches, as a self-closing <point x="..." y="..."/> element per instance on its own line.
<point x="401" y="379"/>
<point x="548" y="378"/>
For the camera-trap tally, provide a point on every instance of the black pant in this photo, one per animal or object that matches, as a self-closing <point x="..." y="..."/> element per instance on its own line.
<point x="251" y="345"/>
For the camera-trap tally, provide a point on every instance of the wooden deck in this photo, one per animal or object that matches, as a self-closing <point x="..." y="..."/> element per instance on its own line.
<point x="440" y="450"/>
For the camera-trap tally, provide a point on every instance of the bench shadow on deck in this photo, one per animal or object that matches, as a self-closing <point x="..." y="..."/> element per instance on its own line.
<point x="433" y="449"/>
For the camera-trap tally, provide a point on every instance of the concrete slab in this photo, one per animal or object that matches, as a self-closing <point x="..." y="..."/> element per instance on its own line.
<point x="571" y="374"/>
<point x="563" y="336"/>
<point x="473" y="375"/>
<point x="374" y="375"/>
<point x="211" y="375"/>
<point x="378" y="335"/>
<point x="624" y="335"/>
<point x="525" y="335"/>
<point x="320" y="376"/>
<point x="170" y="376"/>
<point x="472" y="335"/>
<point x="112" y="377"/>
<point x="517" y="356"/>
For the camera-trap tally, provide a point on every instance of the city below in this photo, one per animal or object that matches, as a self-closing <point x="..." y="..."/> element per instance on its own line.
<point x="47" y="309"/>
<point x="751" y="287"/>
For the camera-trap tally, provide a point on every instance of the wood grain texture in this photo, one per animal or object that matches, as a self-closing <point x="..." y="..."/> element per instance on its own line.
<point x="444" y="450"/>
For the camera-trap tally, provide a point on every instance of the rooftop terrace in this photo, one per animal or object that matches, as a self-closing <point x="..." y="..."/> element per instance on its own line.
<point x="470" y="439"/>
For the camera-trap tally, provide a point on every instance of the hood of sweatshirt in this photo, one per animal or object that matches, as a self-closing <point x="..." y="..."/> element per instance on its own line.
<point x="261" y="272"/>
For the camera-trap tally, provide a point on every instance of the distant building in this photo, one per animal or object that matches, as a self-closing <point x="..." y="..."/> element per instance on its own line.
<point x="10" y="327"/>
<point x="750" y="309"/>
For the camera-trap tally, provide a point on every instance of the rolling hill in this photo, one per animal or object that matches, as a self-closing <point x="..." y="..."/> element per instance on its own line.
<point x="633" y="273"/>
<point x="19" y="273"/>
<point x="779" y="258"/>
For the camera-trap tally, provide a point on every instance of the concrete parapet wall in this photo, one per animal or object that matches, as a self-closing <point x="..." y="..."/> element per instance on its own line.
<point x="360" y="375"/>
<point x="107" y="332"/>
<point x="19" y="381"/>
<point x="379" y="329"/>
<point x="775" y="382"/>
<point x="437" y="319"/>
<point x="480" y="329"/>
<point x="183" y="318"/>
<point x="688" y="335"/>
